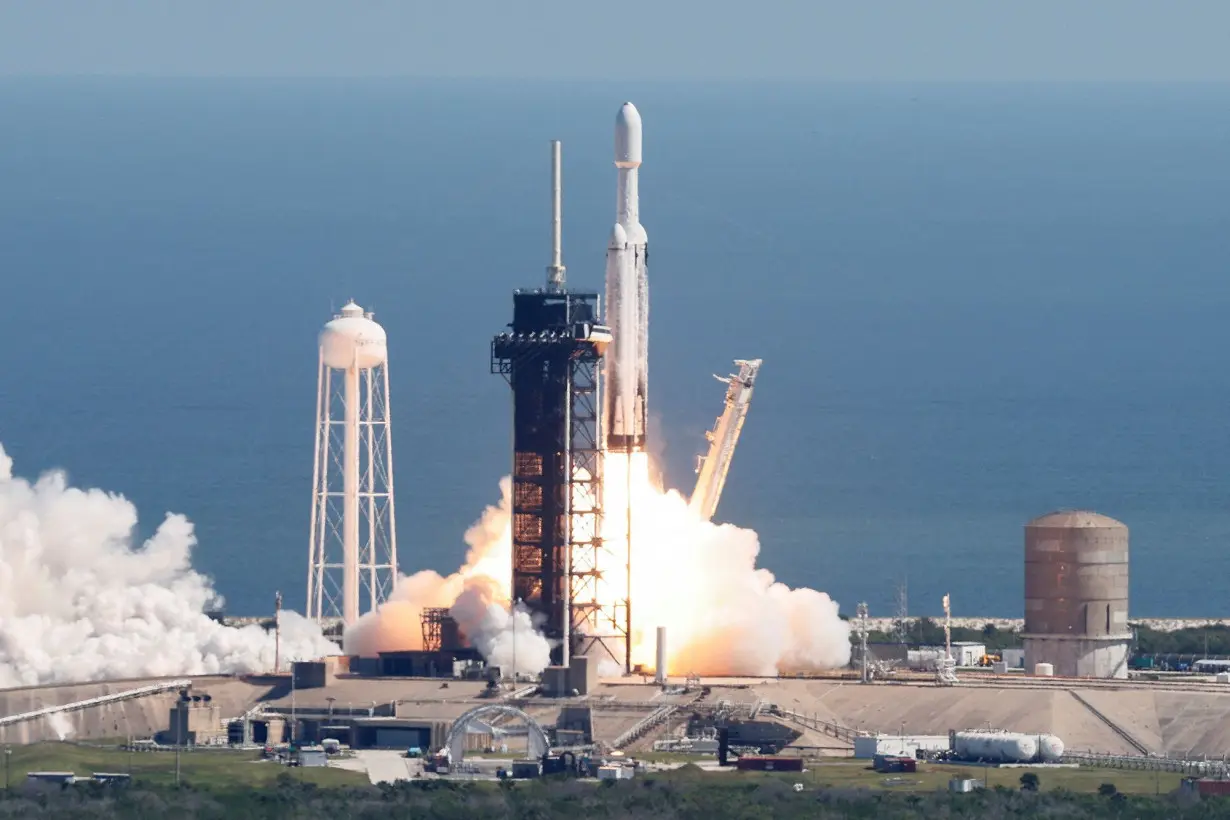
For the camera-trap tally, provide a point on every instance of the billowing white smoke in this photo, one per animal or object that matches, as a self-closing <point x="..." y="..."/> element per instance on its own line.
<point x="78" y="602"/>
<point x="60" y="724"/>
<point x="477" y="595"/>
<point x="505" y="640"/>
<point x="738" y="619"/>
<point x="723" y="615"/>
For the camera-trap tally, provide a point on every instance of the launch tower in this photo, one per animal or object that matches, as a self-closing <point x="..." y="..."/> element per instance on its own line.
<point x="551" y="356"/>
<point x="352" y="563"/>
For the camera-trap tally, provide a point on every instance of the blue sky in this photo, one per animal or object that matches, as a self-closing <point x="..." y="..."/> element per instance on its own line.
<point x="923" y="40"/>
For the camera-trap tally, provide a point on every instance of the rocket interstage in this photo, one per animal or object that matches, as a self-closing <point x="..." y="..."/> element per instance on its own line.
<point x="627" y="297"/>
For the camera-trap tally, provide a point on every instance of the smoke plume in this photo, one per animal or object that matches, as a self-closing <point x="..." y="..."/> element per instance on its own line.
<point x="724" y="616"/>
<point x="80" y="602"/>
<point x="476" y="595"/>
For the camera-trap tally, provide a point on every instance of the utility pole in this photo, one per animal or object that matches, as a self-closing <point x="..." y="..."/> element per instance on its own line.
<point x="901" y="628"/>
<point x="277" y="632"/>
<point x="293" y="720"/>
<point x="128" y="727"/>
<point x="177" y="748"/>
<point x="8" y="752"/>
<point x="862" y="639"/>
<point x="513" y="623"/>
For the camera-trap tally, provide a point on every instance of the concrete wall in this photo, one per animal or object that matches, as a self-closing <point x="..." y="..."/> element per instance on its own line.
<point x="139" y="718"/>
<point x="192" y="723"/>
<point x="1076" y="575"/>
<point x="583" y="674"/>
<point x="1078" y="657"/>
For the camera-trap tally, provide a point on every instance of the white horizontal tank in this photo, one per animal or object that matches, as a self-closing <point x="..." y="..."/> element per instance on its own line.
<point x="353" y="339"/>
<point x="1007" y="747"/>
<point x="1050" y="748"/>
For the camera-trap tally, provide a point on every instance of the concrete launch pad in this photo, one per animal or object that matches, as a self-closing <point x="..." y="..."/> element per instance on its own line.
<point x="1107" y="717"/>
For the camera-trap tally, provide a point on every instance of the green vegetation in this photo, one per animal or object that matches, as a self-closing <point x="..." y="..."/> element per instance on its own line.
<point x="1201" y="641"/>
<point x="214" y="768"/>
<point x="926" y="632"/>
<point x="931" y="777"/>
<point x="1195" y="642"/>
<point x="219" y="784"/>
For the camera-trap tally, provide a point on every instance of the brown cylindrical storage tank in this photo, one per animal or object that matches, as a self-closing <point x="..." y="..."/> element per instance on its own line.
<point x="1076" y="594"/>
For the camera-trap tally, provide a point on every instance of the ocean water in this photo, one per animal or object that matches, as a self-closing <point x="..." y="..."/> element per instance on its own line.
<point x="975" y="304"/>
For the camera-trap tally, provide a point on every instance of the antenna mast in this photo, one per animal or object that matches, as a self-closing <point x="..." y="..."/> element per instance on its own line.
<point x="556" y="270"/>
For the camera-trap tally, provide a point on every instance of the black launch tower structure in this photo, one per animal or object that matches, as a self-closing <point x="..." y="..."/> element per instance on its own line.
<point x="551" y="356"/>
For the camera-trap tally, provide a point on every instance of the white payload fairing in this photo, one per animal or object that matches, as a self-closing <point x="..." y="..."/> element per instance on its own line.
<point x="627" y="297"/>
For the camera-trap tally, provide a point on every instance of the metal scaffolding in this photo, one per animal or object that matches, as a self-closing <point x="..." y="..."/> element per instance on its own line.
<point x="550" y="358"/>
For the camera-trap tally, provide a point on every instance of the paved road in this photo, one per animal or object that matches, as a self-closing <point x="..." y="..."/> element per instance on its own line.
<point x="381" y="765"/>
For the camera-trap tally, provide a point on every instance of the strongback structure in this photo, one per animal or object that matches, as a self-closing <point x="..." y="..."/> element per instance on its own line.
<point x="1076" y="595"/>
<point x="713" y="467"/>
<point x="551" y="357"/>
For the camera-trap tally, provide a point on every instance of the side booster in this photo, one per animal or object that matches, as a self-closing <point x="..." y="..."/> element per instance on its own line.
<point x="627" y="297"/>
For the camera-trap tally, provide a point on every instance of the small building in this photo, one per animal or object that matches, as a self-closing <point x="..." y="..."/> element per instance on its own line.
<point x="398" y="733"/>
<point x="582" y="674"/>
<point x="313" y="757"/>
<point x="770" y="764"/>
<point x="420" y="664"/>
<point x="555" y="681"/>
<point x="313" y="674"/>
<point x="894" y="763"/>
<point x="194" y="720"/>
<point x="1206" y="787"/>
<point x="524" y="769"/>
<point x="866" y="747"/>
<point x="615" y="772"/>
<point x="45" y="779"/>
<point x="968" y="653"/>
<point x="112" y="778"/>
<point x="1014" y="658"/>
<point x="924" y="658"/>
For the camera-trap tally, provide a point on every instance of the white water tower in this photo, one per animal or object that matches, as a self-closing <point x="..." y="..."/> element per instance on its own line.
<point x="352" y="563"/>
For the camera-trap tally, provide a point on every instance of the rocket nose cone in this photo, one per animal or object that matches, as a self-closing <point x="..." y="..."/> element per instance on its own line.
<point x="619" y="237"/>
<point x="628" y="136"/>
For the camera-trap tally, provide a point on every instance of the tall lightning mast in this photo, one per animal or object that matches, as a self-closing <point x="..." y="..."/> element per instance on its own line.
<point x="551" y="355"/>
<point x="352" y="557"/>
<point x="712" y="468"/>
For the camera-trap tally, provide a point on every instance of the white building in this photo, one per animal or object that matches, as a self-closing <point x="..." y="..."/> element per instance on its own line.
<point x="868" y="746"/>
<point x="1014" y="658"/>
<point x="968" y="653"/>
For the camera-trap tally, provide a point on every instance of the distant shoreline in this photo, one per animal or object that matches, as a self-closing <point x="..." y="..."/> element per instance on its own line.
<point x="886" y="624"/>
<point x="1016" y="624"/>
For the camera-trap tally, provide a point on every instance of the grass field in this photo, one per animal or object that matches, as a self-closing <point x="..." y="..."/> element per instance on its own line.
<point x="224" y="769"/>
<point x="215" y="768"/>
<point x="932" y="777"/>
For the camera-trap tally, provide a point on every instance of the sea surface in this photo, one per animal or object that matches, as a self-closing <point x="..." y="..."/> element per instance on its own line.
<point x="975" y="304"/>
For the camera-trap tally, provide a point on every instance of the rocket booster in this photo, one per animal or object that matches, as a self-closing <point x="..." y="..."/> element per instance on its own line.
<point x="627" y="297"/>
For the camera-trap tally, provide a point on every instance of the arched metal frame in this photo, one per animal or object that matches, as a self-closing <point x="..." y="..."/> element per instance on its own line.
<point x="454" y="744"/>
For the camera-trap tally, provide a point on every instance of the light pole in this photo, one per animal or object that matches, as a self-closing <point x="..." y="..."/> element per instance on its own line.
<point x="8" y="752"/>
<point x="277" y="632"/>
<point x="128" y="728"/>
<point x="512" y="624"/>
